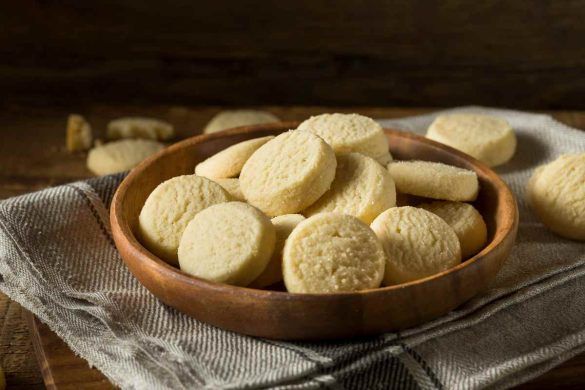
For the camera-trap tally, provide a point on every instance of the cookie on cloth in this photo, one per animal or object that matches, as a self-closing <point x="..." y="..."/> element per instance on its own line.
<point x="140" y="127"/>
<point x="120" y="156"/>
<point x="487" y="138"/>
<point x="556" y="193"/>
<point x="235" y="118"/>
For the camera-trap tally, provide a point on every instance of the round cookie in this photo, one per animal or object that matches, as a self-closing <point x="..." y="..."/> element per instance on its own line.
<point x="417" y="244"/>
<point x="170" y="207"/>
<point x="362" y="188"/>
<point x="120" y="156"/>
<point x="350" y="133"/>
<point x="288" y="173"/>
<point x="227" y="243"/>
<point x="232" y="186"/>
<point x="140" y="127"/>
<point x="79" y="136"/>
<point x="487" y="138"/>
<point x="556" y="193"/>
<point x="284" y="225"/>
<point x="229" y="162"/>
<point x="465" y="220"/>
<point x="332" y="252"/>
<point x="234" y="118"/>
<point x="434" y="180"/>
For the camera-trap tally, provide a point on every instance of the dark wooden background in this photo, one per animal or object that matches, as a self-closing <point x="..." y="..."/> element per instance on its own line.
<point x="522" y="53"/>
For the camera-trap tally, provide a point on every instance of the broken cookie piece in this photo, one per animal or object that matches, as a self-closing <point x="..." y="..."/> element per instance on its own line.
<point x="79" y="136"/>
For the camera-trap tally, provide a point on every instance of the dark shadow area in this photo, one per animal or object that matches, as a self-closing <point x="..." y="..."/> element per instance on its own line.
<point x="530" y="153"/>
<point x="408" y="53"/>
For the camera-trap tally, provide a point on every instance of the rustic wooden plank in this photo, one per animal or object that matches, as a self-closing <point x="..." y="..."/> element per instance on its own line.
<point x="32" y="157"/>
<point x="16" y="351"/>
<point x="520" y="53"/>
<point x="33" y="154"/>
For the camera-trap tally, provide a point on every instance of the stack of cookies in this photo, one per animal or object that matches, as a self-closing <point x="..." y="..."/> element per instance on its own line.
<point x="315" y="208"/>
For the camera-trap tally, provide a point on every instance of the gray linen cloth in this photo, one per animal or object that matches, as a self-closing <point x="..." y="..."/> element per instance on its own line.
<point x="58" y="260"/>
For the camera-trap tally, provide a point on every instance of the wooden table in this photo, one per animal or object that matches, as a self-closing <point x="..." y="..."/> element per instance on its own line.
<point x="33" y="156"/>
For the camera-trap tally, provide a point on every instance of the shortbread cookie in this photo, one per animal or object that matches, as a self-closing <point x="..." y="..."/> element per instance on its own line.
<point x="362" y="188"/>
<point x="235" y="118"/>
<point x="79" y="136"/>
<point x="120" y="156"/>
<point x="139" y="127"/>
<point x="288" y="173"/>
<point x="556" y="193"/>
<point x="228" y="243"/>
<point x="332" y="252"/>
<point x="465" y="220"/>
<point x="284" y="225"/>
<point x="350" y="133"/>
<point x="434" y="180"/>
<point x="417" y="244"/>
<point x="487" y="138"/>
<point x="232" y="186"/>
<point x="170" y="207"/>
<point x="229" y="162"/>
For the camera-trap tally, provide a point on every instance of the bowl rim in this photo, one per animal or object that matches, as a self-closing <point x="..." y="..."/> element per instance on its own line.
<point x="128" y="238"/>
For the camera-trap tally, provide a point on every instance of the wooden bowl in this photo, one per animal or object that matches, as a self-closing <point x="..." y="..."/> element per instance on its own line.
<point x="285" y="316"/>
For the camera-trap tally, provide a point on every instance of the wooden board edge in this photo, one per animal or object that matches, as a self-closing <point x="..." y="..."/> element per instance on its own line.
<point x="60" y="367"/>
<point x="35" y="337"/>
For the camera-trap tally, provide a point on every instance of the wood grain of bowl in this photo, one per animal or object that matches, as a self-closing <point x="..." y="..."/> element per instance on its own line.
<point x="285" y="316"/>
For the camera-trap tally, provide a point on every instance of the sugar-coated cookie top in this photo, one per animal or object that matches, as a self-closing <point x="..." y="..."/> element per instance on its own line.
<point x="362" y="188"/>
<point x="350" y="133"/>
<point x="473" y="128"/>
<point x="232" y="186"/>
<point x="340" y="130"/>
<point x="234" y="118"/>
<point x="140" y="127"/>
<point x="170" y="207"/>
<point x="229" y="243"/>
<point x="332" y="252"/>
<point x="120" y="156"/>
<point x="288" y="173"/>
<point x="434" y="180"/>
<point x="417" y="244"/>
<point x="489" y="139"/>
<point x="465" y="220"/>
<point x="557" y="193"/>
